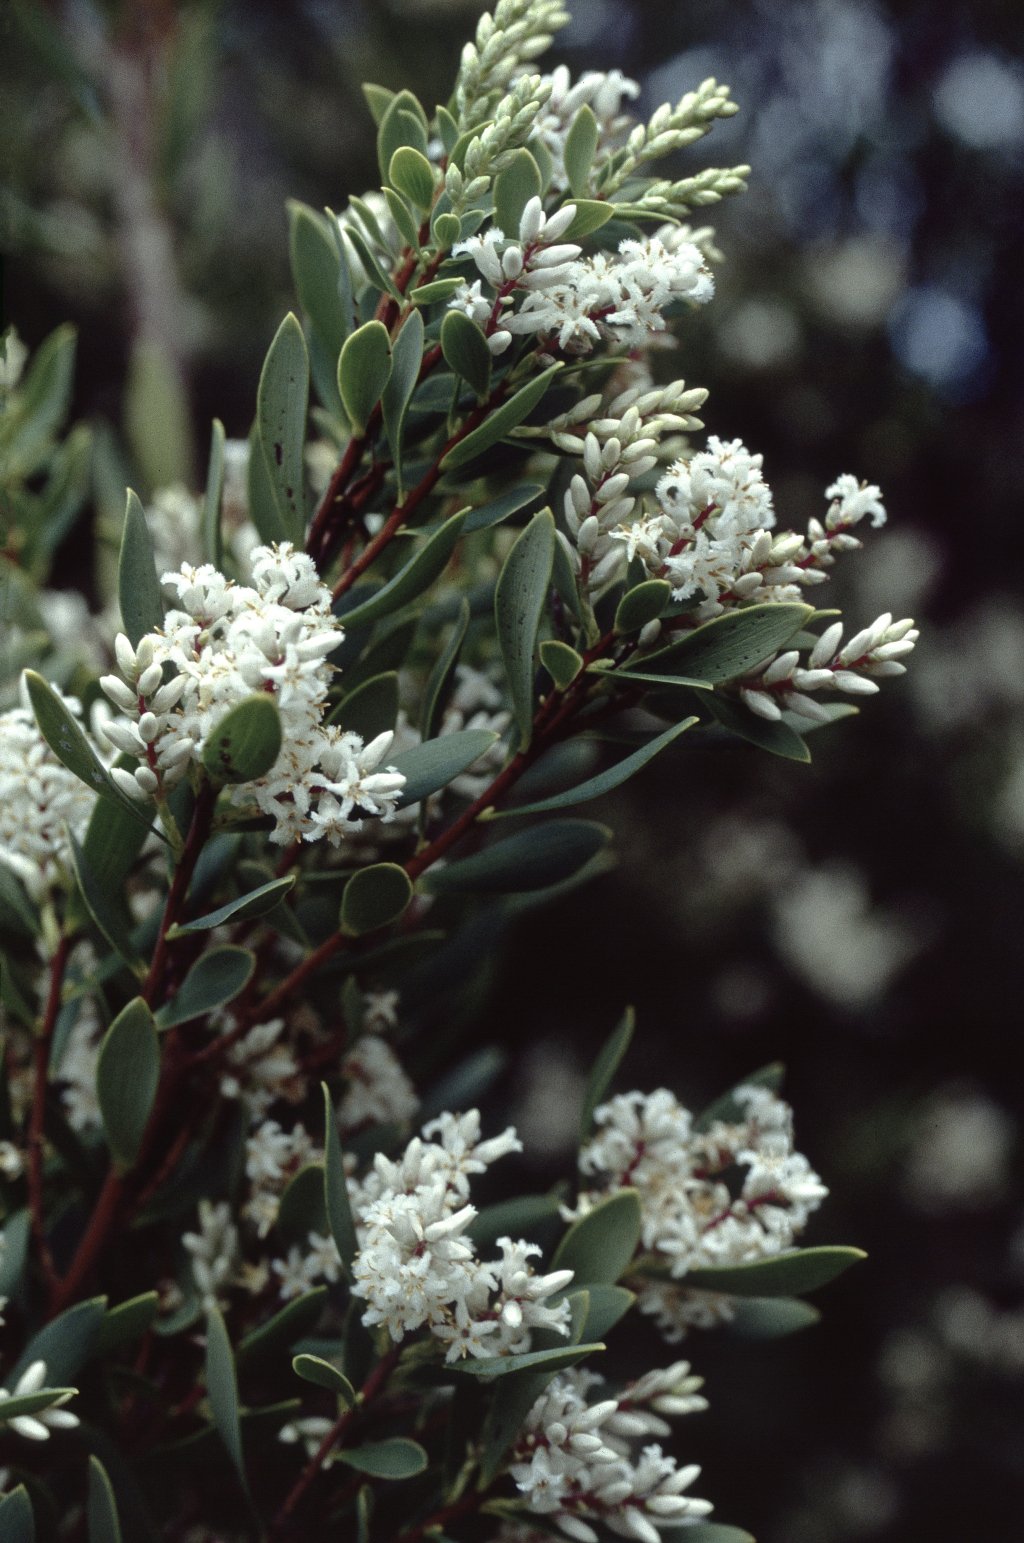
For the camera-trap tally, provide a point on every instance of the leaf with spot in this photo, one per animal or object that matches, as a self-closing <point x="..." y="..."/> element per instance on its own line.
<point x="727" y="647"/>
<point x="282" y="401"/>
<point x="246" y="742"/>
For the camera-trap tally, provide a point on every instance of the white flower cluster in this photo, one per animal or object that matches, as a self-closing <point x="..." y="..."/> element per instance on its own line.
<point x="77" y="1069"/>
<point x="690" y="1218"/>
<point x="581" y="300"/>
<point x="272" y="1157"/>
<point x="379" y="1091"/>
<point x="603" y="93"/>
<point x="573" y="1459"/>
<point x="227" y="642"/>
<point x="39" y="800"/>
<point x="37" y="1426"/>
<point x="415" y="1265"/>
<point x="260" y="1067"/>
<point x="214" y="1250"/>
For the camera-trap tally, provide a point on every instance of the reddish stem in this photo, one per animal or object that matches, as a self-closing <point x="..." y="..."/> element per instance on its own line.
<point x="199" y="830"/>
<point x="41" y="1060"/>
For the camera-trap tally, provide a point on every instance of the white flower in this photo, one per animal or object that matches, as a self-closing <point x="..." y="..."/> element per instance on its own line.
<point x="214" y="1251"/>
<point x="379" y="1090"/>
<point x="39" y="800"/>
<point x="37" y="1427"/>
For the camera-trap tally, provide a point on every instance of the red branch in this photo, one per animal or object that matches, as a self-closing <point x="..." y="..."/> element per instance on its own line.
<point x="41" y="1059"/>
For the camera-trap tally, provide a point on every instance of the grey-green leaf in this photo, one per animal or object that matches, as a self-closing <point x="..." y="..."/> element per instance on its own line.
<point x="580" y="145"/>
<point x="213" y="535"/>
<point x="107" y="919"/>
<point x="465" y="351"/>
<point x="104" y="1525"/>
<point x="768" y="734"/>
<point x="514" y="186"/>
<point x="562" y="663"/>
<point x="371" y="709"/>
<point x="302" y="1209"/>
<point x="222" y="1388"/>
<point x="215" y="979"/>
<point x="516" y="1217"/>
<point x="440" y="676"/>
<point x="282" y="401"/>
<point x="127" y="1076"/>
<point x="730" y="645"/>
<point x="315" y="268"/>
<point x="786" y="1275"/>
<point x="138" y="587"/>
<point x="313" y="1368"/>
<point x="717" y="1532"/>
<point x="604" y="1068"/>
<point x="432" y="765"/>
<point x="644" y="603"/>
<point x="606" y="1305"/>
<point x="374" y="897"/>
<point x="417" y="575"/>
<point x="591" y="214"/>
<point x="245" y="909"/>
<point x="534" y="859"/>
<point x="403" y="123"/>
<point x="31" y="1403"/>
<point x="17" y="1230"/>
<point x="411" y="173"/>
<point x="498" y="509"/>
<point x="246" y="742"/>
<point x="126" y="1322"/>
<point x="283" y="1330"/>
<point x="65" y="1343"/>
<point x="395" y="1458"/>
<point x="17" y="1524"/>
<point x="364" y="370"/>
<point x="601" y="1245"/>
<point x="339" y="1213"/>
<point x="605" y="781"/>
<point x="519" y="601"/>
<point x="65" y="738"/>
<point x="263" y="510"/>
<point x="429" y="294"/>
<point x="406" y="359"/>
<point x="771" y="1317"/>
<point x="498" y="423"/>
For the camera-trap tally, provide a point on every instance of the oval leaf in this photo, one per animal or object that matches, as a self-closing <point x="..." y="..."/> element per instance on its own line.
<point x="246" y="908"/>
<point x="126" y="1322"/>
<point x="214" y="980"/>
<point x="339" y="1212"/>
<point x="539" y="857"/>
<point x="17" y="1230"/>
<point x="127" y="1076"/>
<point x="500" y="422"/>
<point x="312" y="1368"/>
<point x="104" y="1526"/>
<point x="730" y="645"/>
<point x="465" y="351"/>
<point x="64" y="735"/>
<point x="65" y="1343"/>
<point x="246" y="742"/>
<point x="590" y="215"/>
<point x="364" y="369"/>
<point x="519" y="601"/>
<point x="282" y="401"/>
<point x="604" y="1069"/>
<point x="580" y="147"/>
<point x="315" y="269"/>
<point x="374" y="897"/>
<point x="606" y="1306"/>
<point x="302" y="1209"/>
<point x="396" y="1458"/>
<point x="432" y="765"/>
<point x="514" y="186"/>
<point x="642" y="604"/>
<point x="601" y="1245"/>
<point x="222" y="1388"/>
<point x="411" y="173"/>
<point x="406" y="359"/>
<point x="604" y="782"/>
<point x="138" y="587"/>
<point x="17" y="1524"/>
<point x="771" y="1317"/>
<point x="429" y="294"/>
<point x="562" y="663"/>
<point x="428" y="564"/>
<point x="515" y="1217"/>
<point x="787" y="1275"/>
<point x="371" y="708"/>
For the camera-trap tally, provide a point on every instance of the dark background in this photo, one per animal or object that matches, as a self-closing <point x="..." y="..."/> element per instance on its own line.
<point x="860" y="918"/>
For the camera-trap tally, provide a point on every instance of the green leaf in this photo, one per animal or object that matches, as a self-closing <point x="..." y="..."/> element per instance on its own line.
<point x="17" y="1231"/>
<point x="771" y="1317"/>
<point x="535" y="858"/>
<point x="282" y="401"/>
<point x="498" y="510"/>
<point x="339" y="1213"/>
<point x="65" y="1343"/>
<point x="138" y="587"/>
<point x="17" y="913"/>
<point x="316" y="267"/>
<point x="579" y="150"/>
<point x="378" y="99"/>
<point x="404" y="123"/>
<point x="429" y="294"/>
<point x="729" y="1109"/>
<point x="283" y="1330"/>
<point x="370" y="709"/>
<point x="417" y="575"/>
<point x="609" y="1058"/>
<point x="674" y="682"/>
<point x="373" y="898"/>
<point x="601" y="1245"/>
<point x="436" y="693"/>
<point x="127" y="1076"/>
<point x="498" y="423"/>
<point x="805" y="1269"/>
<point x="519" y="601"/>
<point x="767" y="734"/>
<point x="65" y="738"/>
<point x="245" y="909"/>
<point x="246" y="742"/>
<point x="364" y="371"/>
<point x="395" y="1458"/>
<point x="33" y="1403"/>
<point x="17" y="1524"/>
<point x="514" y="186"/>
<point x="644" y="603"/>
<point x="406" y="359"/>
<point x="302" y="1209"/>
<point x="412" y="174"/>
<point x="371" y="267"/>
<point x="562" y="663"/>
<point x="590" y="215"/>
<point x="447" y="128"/>
<point x="213" y="534"/>
<point x="607" y="1304"/>
<point x="43" y="403"/>
<point x="222" y="1388"/>
<point x="433" y="764"/>
<point x="102" y="912"/>
<point x="605" y="781"/>
<point x="262" y="499"/>
<point x="729" y="646"/>
<point x="517" y="1218"/>
<point x="505" y="1365"/>
<point x="313" y="1368"/>
<point x="104" y="1526"/>
<point x="215" y="979"/>
<point x="465" y="351"/>
<point x="403" y="218"/>
<point x="126" y="1322"/>
<point x="717" y="1532"/>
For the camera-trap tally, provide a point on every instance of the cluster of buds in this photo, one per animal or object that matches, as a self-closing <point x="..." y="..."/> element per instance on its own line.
<point x="875" y="651"/>
<point x="535" y="262"/>
<point x="491" y="150"/>
<point x="670" y="128"/>
<point x="518" y="31"/>
<point x="146" y="702"/>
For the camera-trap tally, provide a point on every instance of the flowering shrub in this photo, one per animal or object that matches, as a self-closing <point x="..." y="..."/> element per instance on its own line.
<point x="229" y="1262"/>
